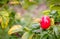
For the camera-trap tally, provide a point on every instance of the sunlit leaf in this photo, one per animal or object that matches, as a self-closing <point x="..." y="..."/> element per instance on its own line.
<point x="55" y="7"/>
<point x="5" y="22"/>
<point x="14" y="29"/>
<point x="5" y="18"/>
<point x="49" y="2"/>
<point x="46" y="12"/>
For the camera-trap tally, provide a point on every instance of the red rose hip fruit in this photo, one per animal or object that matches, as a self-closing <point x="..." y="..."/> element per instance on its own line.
<point x="45" y="22"/>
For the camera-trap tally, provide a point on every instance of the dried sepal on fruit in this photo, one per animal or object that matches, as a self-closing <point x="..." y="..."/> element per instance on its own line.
<point x="52" y="21"/>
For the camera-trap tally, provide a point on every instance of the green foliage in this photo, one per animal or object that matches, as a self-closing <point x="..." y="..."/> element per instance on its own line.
<point x="28" y="29"/>
<point x="3" y="2"/>
<point x="52" y="2"/>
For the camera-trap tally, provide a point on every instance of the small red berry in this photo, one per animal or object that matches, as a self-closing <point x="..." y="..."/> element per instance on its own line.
<point x="45" y="22"/>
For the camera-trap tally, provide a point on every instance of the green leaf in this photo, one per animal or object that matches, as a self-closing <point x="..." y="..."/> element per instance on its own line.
<point x="49" y="2"/>
<point x="11" y="18"/>
<point x="35" y="26"/>
<point x="5" y="22"/>
<point x="55" y="29"/>
<point x="44" y="35"/>
<point x="2" y="2"/>
<point x="46" y="12"/>
<point x="55" y="7"/>
<point x="5" y="18"/>
<point x="27" y="35"/>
